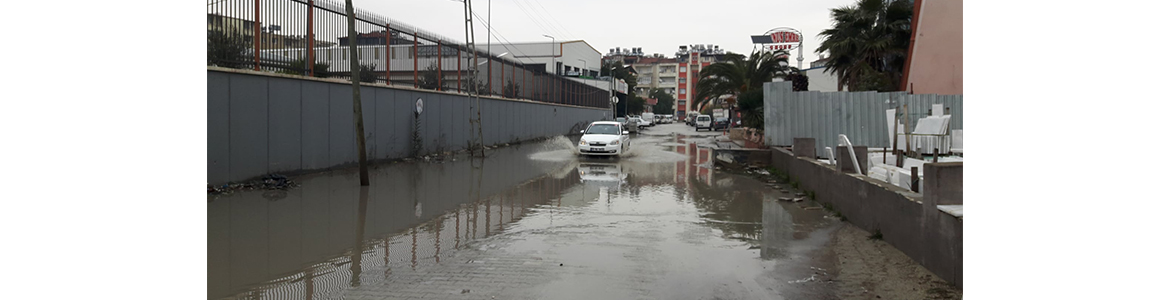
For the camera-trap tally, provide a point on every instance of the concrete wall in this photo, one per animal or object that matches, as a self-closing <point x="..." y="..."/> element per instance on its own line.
<point x="936" y="54"/>
<point x="259" y="123"/>
<point x="932" y="239"/>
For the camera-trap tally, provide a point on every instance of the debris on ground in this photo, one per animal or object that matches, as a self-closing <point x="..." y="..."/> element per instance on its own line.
<point x="267" y="182"/>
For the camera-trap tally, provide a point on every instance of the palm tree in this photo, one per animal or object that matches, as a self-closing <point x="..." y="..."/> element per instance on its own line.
<point x="868" y="39"/>
<point x="738" y="74"/>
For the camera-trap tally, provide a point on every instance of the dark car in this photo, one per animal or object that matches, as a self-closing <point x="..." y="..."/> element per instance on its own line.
<point x="720" y="124"/>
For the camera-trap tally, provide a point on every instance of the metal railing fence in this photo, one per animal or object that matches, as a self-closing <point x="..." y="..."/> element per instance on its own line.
<point x="279" y="36"/>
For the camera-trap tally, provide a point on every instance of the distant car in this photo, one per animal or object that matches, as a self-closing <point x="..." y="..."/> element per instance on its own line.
<point x="649" y="117"/>
<point x="630" y="124"/>
<point x="604" y="138"/>
<point x="691" y="119"/>
<point x="720" y="124"/>
<point x="641" y="123"/>
<point x="702" y="121"/>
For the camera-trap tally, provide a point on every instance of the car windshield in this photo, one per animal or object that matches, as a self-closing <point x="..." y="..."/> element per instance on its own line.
<point x="704" y="119"/>
<point x="621" y="120"/>
<point x="721" y="120"/>
<point x="602" y="129"/>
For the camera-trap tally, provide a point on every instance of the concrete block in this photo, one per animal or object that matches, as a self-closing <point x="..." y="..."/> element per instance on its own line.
<point x="804" y="147"/>
<point x="843" y="163"/>
<point x="942" y="183"/>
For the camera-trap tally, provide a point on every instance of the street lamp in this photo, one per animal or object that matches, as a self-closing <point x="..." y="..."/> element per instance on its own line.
<point x="553" y="56"/>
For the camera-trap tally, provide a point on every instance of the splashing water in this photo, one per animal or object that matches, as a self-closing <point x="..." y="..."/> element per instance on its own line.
<point x="559" y="148"/>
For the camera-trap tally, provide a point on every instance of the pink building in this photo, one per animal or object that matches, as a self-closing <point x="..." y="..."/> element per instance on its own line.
<point x="935" y="58"/>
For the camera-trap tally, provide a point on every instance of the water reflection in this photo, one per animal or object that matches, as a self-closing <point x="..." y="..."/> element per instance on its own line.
<point x="331" y="234"/>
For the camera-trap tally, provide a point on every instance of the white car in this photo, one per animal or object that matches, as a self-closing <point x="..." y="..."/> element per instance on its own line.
<point x="703" y="121"/>
<point x="604" y="138"/>
<point x="641" y="123"/>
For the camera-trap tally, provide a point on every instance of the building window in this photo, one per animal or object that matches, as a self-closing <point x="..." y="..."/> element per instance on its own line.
<point x="682" y="91"/>
<point x="682" y="69"/>
<point x="682" y="80"/>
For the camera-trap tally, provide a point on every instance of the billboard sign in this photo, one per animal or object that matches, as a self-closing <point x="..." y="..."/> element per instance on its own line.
<point x="780" y="38"/>
<point x="621" y="86"/>
<point x="719" y="113"/>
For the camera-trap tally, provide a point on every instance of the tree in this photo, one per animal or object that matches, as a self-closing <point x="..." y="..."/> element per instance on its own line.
<point x="430" y="78"/>
<point x="637" y="104"/>
<point x="868" y="40"/>
<point x="511" y="89"/>
<point x="297" y="67"/>
<point x="367" y="74"/>
<point x="751" y="105"/>
<point x="666" y="102"/>
<point x="226" y="49"/>
<point x="618" y="71"/>
<point x="738" y="74"/>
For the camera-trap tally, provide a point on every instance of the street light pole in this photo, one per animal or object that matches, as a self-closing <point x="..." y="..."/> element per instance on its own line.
<point x="553" y="64"/>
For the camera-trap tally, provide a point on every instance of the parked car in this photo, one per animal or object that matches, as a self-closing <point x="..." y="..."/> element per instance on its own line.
<point x="691" y="118"/>
<point x="604" y="138"/>
<point x="720" y="124"/>
<point x="641" y="123"/>
<point x="631" y="125"/>
<point x="649" y="117"/>
<point x="702" y="121"/>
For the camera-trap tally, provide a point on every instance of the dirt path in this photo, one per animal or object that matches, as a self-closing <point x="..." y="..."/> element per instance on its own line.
<point x="873" y="269"/>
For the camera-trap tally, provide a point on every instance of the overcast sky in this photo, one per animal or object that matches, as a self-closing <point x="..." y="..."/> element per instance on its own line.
<point x="655" y="26"/>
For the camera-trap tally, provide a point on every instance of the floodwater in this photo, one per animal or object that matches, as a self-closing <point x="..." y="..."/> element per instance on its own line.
<point x="658" y="222"/>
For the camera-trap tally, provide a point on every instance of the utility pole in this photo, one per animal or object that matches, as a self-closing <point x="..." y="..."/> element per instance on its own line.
<point x="355" y="77"/>
<point x="473" y="88"/>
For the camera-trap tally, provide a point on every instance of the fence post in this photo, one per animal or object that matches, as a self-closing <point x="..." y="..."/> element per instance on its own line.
<point x="387" y="63"/>
<point x="515" y="93"/>
<point x="489" y="73"/>
<point x="312" y="60"/>
<point x="415" y="59"/>
<point x="440" y="59"/>
<point x="459" y="69"/>
<point x="256" y="36"/>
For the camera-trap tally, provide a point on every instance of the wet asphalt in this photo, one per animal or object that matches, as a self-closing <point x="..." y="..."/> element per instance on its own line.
<point x="529" y="221"/>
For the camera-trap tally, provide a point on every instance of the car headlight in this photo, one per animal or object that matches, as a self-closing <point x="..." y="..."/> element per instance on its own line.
<point x="582" y="143"/>
<point x="614" y="142"/>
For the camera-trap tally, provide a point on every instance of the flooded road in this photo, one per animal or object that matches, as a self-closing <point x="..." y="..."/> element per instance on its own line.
<point x="530" y="221"/>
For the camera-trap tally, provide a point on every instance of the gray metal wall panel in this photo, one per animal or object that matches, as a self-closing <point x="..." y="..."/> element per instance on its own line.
<point x="444" y="115"/>
<point x="248" y="123"/>
<point x="284" y="125"/>
<point x="403" y="123"/>
<point x="384" y="128"/>
<point x="369" y="119"/>
<point x="256" y="125"/>
<point x="218" y="132"/>
<point x="342" y="140"/>
<point x="315" y="125"/>
<point x="432" y="121"/>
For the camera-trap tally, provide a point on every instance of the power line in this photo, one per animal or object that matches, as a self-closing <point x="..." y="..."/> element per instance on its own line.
<point x="530" y="18"/>
<point x="553" y="30"/>
<point x="555" y="20"/>
<point x="498" y="35"/>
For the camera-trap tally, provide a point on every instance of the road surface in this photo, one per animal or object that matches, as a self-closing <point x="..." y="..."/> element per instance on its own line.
<point x="535" y="221"/>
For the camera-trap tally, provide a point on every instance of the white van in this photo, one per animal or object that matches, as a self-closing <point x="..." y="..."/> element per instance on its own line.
<point x="702" y="121"/>
<point x="649" y="116"/>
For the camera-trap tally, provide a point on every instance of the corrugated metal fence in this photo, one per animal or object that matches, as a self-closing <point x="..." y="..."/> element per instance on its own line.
<point x="859" y="115"/>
